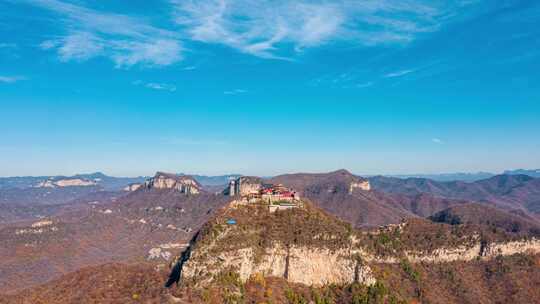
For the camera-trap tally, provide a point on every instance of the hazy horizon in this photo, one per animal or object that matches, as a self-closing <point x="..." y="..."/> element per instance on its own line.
<point x="270" y="175"/>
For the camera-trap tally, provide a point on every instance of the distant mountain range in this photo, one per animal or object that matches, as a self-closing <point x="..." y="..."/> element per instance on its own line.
<point x="446" y="177"/>
<point x="533" y="173"/>
<point x="458" y="176"/>
<point x="394" y="197"/>
<point x="510" y="192"/>
<point x="104" y="181"/>
<point x="467" y="177"/>
<point x="112" y="183"/>
<point x="109" y="183"/>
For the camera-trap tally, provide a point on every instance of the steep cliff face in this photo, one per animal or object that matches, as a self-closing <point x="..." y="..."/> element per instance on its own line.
<point x="244" y="185"/>
<point x="183" y="183"/>
<point x="309" y="247"/>
<point x="297" y="264"/>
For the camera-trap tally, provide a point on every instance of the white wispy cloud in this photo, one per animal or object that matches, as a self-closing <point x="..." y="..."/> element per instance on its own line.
<point x="11" y="79"/>
<point x="156" y="86"/>
<point x="78" y="46"/>
<point x="437" y="141"/>
<point x="264" y="27"/>
<point x="235" y="92"/>
<point x="123" y="39"/>
<point x="257" y="27"/>
<point x="399" y="73"/>
<point x="189" y="68"/>
<point x="161" y="86"/>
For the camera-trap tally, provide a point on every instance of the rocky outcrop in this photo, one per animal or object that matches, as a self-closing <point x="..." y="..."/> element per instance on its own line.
<point x="361" y="184"/>
<point x="163" y="251"/>
<point x="244" y="185"/>
<point x="71" y="182"/>
<point x="183" y="183"/>
<point x="531" y="246"/>
<point x="464" y="253"/>
<point x="38" y="228"/>
<point x="42" y="223"/>
<point x="133" y="187"/>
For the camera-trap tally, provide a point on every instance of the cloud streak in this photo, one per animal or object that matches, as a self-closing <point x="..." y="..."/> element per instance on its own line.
<point x="124" y="40"/>
<point x="398" y="73"/>
<point x="264" y="28"/>
<point x="156" y="86"/>
<point x="161" y="86"/>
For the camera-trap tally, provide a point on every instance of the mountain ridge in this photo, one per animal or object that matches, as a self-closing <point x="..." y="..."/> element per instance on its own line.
<point x="506" y="191"/>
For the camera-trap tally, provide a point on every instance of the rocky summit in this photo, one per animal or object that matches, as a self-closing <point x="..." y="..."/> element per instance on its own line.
<point x="181" y="183"/>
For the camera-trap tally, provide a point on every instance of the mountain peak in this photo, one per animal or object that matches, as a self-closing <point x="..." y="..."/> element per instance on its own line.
<point x="165" y="174"/>
<point x="233" y="239"/>
<point x="509" y="179"/>
<point x="182" y="183"/>
<point x="529" y="172"/>
<point x="341" y="172"/>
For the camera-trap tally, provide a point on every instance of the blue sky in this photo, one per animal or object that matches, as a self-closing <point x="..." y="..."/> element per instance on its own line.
<point x="268" y="87"/>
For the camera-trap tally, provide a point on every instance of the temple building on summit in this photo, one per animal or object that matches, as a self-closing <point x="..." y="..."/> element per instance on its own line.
<point x="252" y="189"/>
